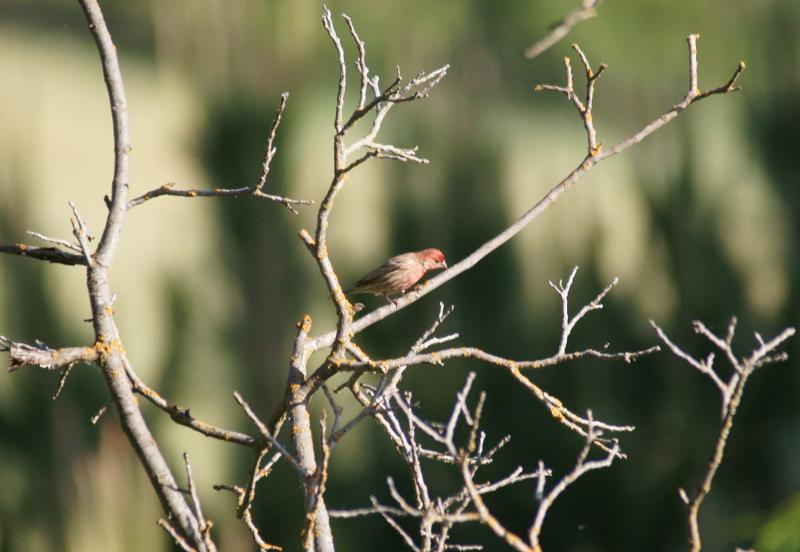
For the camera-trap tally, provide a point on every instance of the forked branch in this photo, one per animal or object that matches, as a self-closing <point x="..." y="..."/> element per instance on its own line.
<point x="595" y="156"/>
<point x="731" y="395"/>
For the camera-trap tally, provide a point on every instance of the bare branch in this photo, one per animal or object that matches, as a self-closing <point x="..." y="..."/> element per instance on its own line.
<point x="247" y="517"/>
<point x="443" y="512"/>
<point x="724" y="345"/>
<point x="416" y="88"/>
<point x="571" y="420"/>
<point x="43" y="356"/>
<point x="327" y="22"/>
<point x="177" y="537"/>
<point x="81" y="233"/>
<point x="169" y="190"/>
<point x="567" y="323"/>
<point x="254" y="190"/>
<point x="182" y="523"/>
<point x="100" y="412"/>
<point x="361" y="65"/>
<point x="183" y="416"/>
<point x="704" y="366"/>
<point x="392" y="407"/>
<point x="57" y="241"/>
<point x="731" y="392"/>
<point x="584" y="108"/>
<point x="763" y="351"/>
<point x="262" y="427"/>
<point x="49" y="254"/>
<point x="581" y="467"/>
<point x="559" y="29"/>
<point x="298" y="394"/>
<point x="486" y="517"/>
<point x="565" y="416"/>
<point x="204" y="525"/>
<point x="65" y="372"/>
<point x="394" y="525"/>
<point x="327" y="339"/>
<point x="437" y="358"/>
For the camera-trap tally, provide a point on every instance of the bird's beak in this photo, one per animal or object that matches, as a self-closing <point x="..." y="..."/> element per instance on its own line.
<point x="444" y="264"/>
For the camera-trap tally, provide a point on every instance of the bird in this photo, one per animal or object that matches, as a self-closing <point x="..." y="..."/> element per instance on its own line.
<point x="399" y="273"/>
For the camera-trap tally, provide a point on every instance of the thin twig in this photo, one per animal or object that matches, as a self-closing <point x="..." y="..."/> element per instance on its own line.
<point x="81" y="233"/>
<point x="255" y="190"/>
<point x="559" y="29"/>
<point x="582" y="466"/>
<point x="42" y="356"/>
<point x="57" y="241"/>
<point x="184" y="417"/>
<point x="49" y="254"/>
<point x="262" y="427"/>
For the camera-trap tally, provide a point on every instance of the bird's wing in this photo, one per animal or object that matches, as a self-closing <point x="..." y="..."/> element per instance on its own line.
<point x="394" y="265"/>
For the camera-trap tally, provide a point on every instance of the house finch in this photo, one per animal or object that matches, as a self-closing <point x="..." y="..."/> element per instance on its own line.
<point x="399" y="273"/>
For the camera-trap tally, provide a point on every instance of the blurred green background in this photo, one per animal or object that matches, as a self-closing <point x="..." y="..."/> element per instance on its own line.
<point x="700" y="221"/>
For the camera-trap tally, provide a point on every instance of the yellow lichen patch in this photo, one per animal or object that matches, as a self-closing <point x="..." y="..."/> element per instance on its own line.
<point x="305" y="324"/>
<point x="556" y="413"/>
<point x="108" y="310"/>
<point x="101" y="347"/>
<point x="104" y="349"/>
<point x="296" y="430"/>
<point x="22" y="247"/>
<point x="596" y="150"/>
<point x="193" y="193"/>
<point x="294" y="387"/>
<point x="117" y="347"/>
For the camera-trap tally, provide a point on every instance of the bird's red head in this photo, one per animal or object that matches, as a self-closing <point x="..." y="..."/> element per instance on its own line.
<point x="432" y="259"/>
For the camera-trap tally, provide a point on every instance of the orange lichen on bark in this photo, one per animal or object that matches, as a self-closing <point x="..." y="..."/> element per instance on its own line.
<point x="303" y="325"/>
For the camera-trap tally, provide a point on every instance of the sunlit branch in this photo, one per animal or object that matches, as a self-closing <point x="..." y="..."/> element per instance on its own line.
<point x="327" y="339"/>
